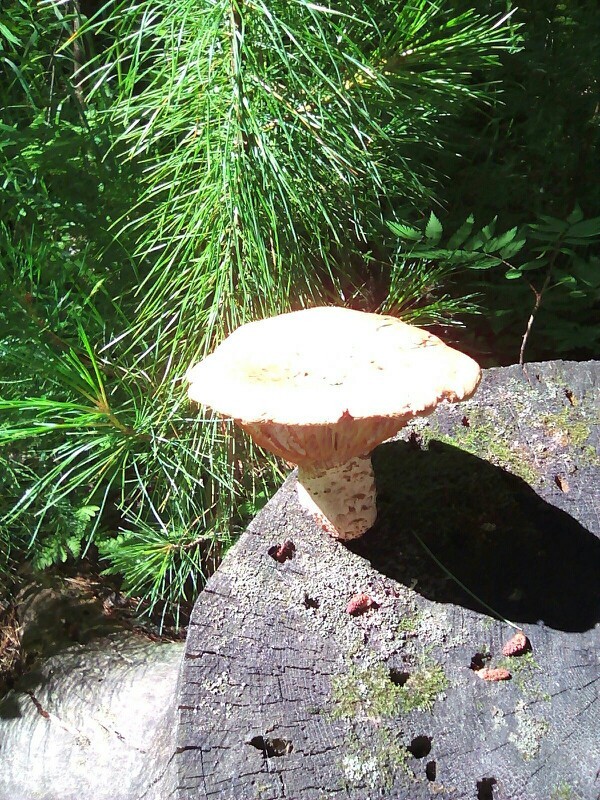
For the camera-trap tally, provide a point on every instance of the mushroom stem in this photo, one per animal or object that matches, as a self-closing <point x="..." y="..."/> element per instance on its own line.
<point x="342" y="498"/>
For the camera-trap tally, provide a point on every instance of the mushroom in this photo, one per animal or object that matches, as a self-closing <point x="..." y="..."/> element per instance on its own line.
<point x="321" y="388"/>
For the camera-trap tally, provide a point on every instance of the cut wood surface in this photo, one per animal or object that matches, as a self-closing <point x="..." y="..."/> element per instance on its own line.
<point x="489" y="514"/>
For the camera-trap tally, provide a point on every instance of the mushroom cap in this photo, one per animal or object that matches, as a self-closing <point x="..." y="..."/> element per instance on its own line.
<point x="301" y="382"/>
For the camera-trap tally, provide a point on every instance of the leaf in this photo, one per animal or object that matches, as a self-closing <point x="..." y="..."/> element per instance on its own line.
<point x="73" y="544"/>
<point x="587" y="272"/>
<point x="551" y="227"/>
<point x="434" y="229"/>
<point x="438" y="254"/>
<point x="498" y="242"/>
<point x="462" y="234"/>
<point x="405" y="231"/>
<point x="578" y="240"/>
<point x="531" y="265"/>
<point x="86" y="513"/>
<point x="484" y="235"/>
<point x="511" y="274"/>
<point x="488" y="231"/>
<point x="586" y="228"/>
<point x="576" y="215"/>
<point x="551" y="223"/>
<point x="512" y="249"/>
<point x="485" y="262"/>
<point x="8" y="35"/>
<point x="566" y="280"/>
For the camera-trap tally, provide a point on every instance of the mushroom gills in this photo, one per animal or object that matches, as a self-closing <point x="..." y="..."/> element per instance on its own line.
<point x="341" y="498"/>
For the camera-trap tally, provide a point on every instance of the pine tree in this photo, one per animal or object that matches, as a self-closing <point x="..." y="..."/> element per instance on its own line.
<point x="265" y="146"/>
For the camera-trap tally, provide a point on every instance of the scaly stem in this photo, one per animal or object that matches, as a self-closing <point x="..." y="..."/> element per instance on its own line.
<point x="342" y="498"/>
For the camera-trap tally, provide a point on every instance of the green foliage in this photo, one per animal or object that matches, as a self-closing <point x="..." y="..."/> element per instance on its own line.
<point x="170" y="170"/>
<point x="559" y="271"/>
<point x="552" y="258"/>
<point x="535" y="153"/>
<point x="269" y="162"/>
<point x="66" y="529"/>
<point x="167" y="171"/>
<point x="97" y="442"/>
<point x="56" y="549"/>
<point x="466" y="248"/>
<point x="427" y="268"/>
<point x="164" y="567"/>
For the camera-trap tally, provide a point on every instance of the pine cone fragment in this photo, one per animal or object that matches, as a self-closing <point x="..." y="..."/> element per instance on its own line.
<point x="494" y="674"/>
<point x="516" y="646"/>
<point x="360" y="603"/>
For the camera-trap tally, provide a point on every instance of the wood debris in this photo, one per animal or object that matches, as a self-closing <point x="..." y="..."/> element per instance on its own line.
<point x="516" y="646"/>
<point x="360" y="603"/>
<point x="494" y="674"/>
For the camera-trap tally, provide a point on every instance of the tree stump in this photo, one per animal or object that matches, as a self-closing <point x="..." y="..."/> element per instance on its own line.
<point x="489" y="522"/>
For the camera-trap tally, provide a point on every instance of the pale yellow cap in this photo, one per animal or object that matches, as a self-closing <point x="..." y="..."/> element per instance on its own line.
<point x="321" y="371"/>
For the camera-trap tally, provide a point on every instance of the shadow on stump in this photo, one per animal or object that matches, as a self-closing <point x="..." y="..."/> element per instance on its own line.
<point x="526" y="559"/>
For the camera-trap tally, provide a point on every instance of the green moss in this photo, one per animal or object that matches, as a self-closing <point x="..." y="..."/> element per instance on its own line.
<point x="481" y="438"/>
<point x="355" y="648"/>
<point x="365" y="692"/>
<point x="574" y="429"/>
<point x="408" y="624"/>
<point x="569" y="424"/>
<point x="523" y="669"/>
<point x="589" y="455"/>
<point x="423" y="688"/>
<point x="562" y="792"/>
<point x="514" y="459"/>
<point x="370" y="692"/>
<point x="520" y="665"/>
